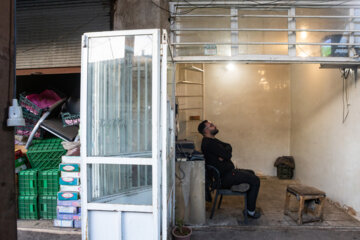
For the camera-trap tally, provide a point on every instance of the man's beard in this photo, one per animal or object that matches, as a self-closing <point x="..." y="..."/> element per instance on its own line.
<point x="214" y="132"/>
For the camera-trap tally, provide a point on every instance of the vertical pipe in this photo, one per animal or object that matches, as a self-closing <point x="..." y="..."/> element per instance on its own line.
<point x="292" y="34"/>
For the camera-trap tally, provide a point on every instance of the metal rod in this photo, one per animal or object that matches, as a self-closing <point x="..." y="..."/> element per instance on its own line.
<point x="263" y="30"/>
<point x="265" y="43"/>
<point x="263" y="16"/>
<point x="267" y="3"/>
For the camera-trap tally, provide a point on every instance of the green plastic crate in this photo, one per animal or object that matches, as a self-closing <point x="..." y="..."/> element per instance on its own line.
<point x="28" y="208"/>
<point x="46" y="153"/>
<point x="28" y="184"/>
<point x="47" y="206"/>
<point x="48" y="181"/>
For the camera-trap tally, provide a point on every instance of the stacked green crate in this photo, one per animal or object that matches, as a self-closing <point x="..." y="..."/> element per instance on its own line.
<point x="38" y="193"/>
<point x="47" y="206"/>
<point x="45" y="154"/>
<point x="28" y="194"/>
<point x="48" y="182"/>
<point x="28" y="208"/>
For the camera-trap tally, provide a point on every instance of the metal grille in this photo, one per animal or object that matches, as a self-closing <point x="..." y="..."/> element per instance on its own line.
<point x="49" y="31"/>
<point x="266" y="31"/>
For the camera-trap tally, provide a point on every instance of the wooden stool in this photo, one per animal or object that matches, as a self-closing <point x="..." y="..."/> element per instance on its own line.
<point x="303" y="193"/>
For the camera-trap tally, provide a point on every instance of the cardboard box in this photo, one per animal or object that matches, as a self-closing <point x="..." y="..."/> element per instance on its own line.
<point x="69" y="181"/>
<point x="69" y="203"/>
<point x="65" y="209"/>
<point x="68" y="195"/>
<point x="65" y="188"/>
<point x="70" y="174"/>
<point x="69" y="167"/>
<point x="63" y="223"/>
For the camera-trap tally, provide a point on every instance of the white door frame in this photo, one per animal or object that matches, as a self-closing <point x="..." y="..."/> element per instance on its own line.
<point x="156" y="157"/>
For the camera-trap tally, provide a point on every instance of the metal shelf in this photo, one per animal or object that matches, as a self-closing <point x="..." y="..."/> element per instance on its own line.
<point x="189" y="82"/>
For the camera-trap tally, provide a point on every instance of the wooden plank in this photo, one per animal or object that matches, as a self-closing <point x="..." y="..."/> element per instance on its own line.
<point x="40" y="71"/>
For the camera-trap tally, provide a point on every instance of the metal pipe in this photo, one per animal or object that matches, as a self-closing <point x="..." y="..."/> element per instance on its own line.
<point x="263" y="30"/>
<point x="261" y="16"/>
<point x="265" y="43"/>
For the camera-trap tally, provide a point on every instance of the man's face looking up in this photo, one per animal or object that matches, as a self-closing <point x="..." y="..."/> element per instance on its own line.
<point x="211" y="128"/>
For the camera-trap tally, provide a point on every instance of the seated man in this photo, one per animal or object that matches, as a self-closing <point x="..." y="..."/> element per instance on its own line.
<point x="218" y="154"/>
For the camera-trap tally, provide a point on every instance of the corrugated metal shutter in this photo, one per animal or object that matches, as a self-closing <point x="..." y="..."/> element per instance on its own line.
<point x="49" y="31"/>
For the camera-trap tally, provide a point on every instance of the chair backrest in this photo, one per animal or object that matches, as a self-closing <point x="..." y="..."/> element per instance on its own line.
<point x="213" y="177"/>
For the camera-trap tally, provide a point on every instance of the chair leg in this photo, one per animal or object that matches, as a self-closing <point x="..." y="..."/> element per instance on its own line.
<point x="214" y="204"/>
<point x="221" y="196"/>
<point x="246" y="209"/>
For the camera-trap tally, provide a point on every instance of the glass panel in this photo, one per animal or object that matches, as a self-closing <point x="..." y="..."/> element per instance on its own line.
<point x="203" y="36"/>
<point x="170" y="118"/>
<point x="262" y="36"/>
<point x="322" y="37"/>
<point x="120" y="184"/>
<point x="119" y="96"/>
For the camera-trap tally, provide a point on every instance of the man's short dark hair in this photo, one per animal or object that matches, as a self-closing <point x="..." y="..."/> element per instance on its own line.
<point x="202" y="126"/>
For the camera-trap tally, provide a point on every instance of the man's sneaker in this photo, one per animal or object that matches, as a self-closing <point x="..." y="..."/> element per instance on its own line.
<point x="256" y="215"/>
<point x="243" y="187"/>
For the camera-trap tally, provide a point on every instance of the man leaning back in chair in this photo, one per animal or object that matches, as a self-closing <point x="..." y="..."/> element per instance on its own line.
<point x="218" y="154"/>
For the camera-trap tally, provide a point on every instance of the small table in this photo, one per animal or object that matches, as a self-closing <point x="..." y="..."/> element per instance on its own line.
<point x="305" y="193"/>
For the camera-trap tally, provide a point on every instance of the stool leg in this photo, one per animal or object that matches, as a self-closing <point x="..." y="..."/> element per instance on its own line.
<point x="301" y="210"/>
<point x="287" y="202"/>
<point x="321" y="208"/>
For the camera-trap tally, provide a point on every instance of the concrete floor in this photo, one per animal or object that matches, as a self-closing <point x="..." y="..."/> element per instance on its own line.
<point x="227" y="222"/>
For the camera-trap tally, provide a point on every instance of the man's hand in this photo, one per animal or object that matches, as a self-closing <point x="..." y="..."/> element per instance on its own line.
<point x="221" y="159"/>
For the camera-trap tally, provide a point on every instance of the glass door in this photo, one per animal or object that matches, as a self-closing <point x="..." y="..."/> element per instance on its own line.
<point x="120" y="135"/>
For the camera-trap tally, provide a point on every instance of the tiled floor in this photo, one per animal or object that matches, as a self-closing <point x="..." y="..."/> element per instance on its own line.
<point x="271" y="201"/>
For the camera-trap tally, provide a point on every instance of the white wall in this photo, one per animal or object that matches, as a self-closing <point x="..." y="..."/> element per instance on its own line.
<point x="326" y="151"/>
<point x="251" y="107"/>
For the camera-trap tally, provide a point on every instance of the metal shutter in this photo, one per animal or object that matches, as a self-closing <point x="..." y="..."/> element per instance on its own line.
<point x="49" y="31"/>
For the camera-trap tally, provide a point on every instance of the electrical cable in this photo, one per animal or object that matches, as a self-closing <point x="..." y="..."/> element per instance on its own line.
<point x="345" y="95"/>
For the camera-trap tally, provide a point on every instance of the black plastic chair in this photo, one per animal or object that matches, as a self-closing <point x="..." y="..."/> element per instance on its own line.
<point x="214" y="182"/>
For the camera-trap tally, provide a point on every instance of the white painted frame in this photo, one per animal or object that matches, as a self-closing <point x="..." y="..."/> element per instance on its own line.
<point x="156" y="158"/>
<point x="260" y="5"/>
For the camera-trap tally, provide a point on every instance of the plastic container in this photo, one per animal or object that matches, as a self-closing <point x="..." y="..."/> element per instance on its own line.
<point x="45" y="154"/>
<point x="69" y="119"/>
<point x="28" y="208"/>
<point x="26" y="131"/>
<point x="29" y="106"/>
<point x="28" y="184"/>
<point x="47" y="206"/>
<point x="48" y="182"/>
<point x="284" y="172"/>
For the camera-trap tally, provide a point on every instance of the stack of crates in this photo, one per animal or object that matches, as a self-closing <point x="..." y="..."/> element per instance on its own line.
<point x="69" y="203"/>
<point x="38" y="193"/>
<point x="38" y="187"/>
<point x="28" y="194"/>
<point x="31" y="114"/>
<point x="48" y="188"/>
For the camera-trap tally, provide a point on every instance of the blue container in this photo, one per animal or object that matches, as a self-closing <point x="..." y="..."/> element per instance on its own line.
<point x="68" y="195"/>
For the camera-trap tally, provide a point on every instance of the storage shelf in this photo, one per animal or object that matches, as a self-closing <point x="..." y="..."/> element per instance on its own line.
<point x="193" y="68"/>
<point x="189" y="108"/>
<point x="189" y="96"/>
<point x="188" y="82"/>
